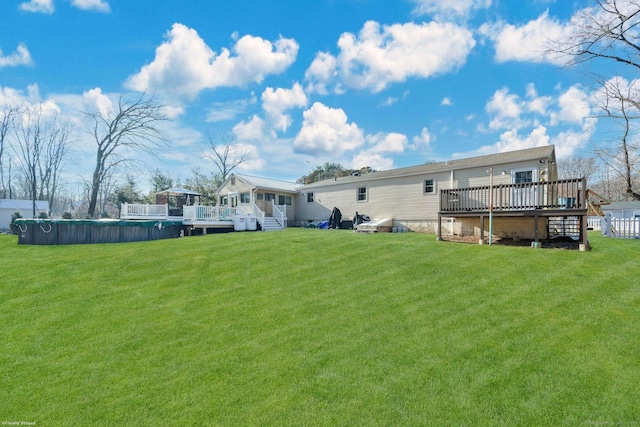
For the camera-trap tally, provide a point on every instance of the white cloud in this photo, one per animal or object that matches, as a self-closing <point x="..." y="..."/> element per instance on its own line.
<point x="535" y="103"/>
<point x="93" y="5"/>
<point x="574" y="106"/>
<point x="321" y="71"/>
<point x="95" y="100"/>
<point x="387" y="142"/>
<point x="526" y="43"/>
<point x="276" y="102"/>
<point x="424" y="139"/>
<point x="449" y="8"/>
<point x="446" y="102"/>
<point x="255" y="130"/>
<point x="20" y="57"/>
<point x="221" y="111"/>
<point x="325" y="131"/>
<point x="568" y="141"/>
<point x="373" y="160"/>
<point x="505" y="108"/>
<point x="184" y="65"/>
<point x="511" y="141"/>
<point x="379" y="56"/>
<point x="38" y="6"/>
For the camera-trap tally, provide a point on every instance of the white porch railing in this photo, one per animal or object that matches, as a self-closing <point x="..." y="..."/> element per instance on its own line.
<point x="143" y="211"/>
<point x="258" y="213"/>
<point x="280" y="215"/>
<point x="208" y="213"/>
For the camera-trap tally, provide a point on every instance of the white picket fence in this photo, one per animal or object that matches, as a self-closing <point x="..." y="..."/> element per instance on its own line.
<point x="625" y="228"/>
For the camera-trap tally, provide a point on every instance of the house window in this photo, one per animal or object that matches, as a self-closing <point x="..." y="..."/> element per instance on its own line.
<point x="233" y="181"/>
<point x="284" y="200"/>
<point x="309" y="197"/>
<point x="429" y="186"/>
<point x="259" y="197"/>
<point x="224" y="200"/>
<point x="523" y="177"/>
<point x="269" y="197"/>
<point x="362" y="194"/>
<point x="245" y="198"/>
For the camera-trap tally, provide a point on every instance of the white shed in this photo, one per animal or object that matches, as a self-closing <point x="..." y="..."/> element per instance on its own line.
<point x="25" y="207"/>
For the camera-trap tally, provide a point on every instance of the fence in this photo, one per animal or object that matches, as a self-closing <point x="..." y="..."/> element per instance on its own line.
<point x="625" y="228"/>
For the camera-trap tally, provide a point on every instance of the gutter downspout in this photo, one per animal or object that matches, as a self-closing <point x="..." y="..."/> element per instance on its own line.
<point x="490" y="205"/>
<point x="451" y="187"/>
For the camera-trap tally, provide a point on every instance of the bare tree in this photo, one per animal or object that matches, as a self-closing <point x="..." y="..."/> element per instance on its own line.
<point x="133" y="127"/>
<point x="225" y="153"/>
<point x="41" y="145"/>
<point x="6" y="122"/>
<point x="51" y="163"/>
<point x="578" y="166"/>
<point x="622" y="156"/>
<point x="608" y="33"/>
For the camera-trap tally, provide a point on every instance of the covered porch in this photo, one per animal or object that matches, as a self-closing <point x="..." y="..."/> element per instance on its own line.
<point x="532" y="210"/>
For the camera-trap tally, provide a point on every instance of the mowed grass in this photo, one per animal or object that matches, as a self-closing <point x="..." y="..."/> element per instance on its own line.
<point x="318" y="327"/>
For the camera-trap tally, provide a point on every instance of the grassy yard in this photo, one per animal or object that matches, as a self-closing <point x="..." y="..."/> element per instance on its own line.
<point x="318" y="327"/>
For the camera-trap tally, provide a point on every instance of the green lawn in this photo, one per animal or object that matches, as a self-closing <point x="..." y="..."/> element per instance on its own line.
<point x="318" y="327"/>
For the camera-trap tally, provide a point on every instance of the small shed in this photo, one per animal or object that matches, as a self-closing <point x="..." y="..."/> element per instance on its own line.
<point x="9" y="206"/>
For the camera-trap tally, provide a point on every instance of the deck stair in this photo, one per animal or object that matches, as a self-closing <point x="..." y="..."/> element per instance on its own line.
<point x="271" y="224"/>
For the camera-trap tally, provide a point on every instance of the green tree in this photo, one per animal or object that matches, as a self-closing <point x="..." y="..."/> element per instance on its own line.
<point x="127" y="193"/>
<point x="206" y="185"/>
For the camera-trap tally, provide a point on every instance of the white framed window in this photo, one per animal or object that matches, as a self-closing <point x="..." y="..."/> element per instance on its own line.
<point x="309" y="197"/>
<point x="284" y="200"/>
<point x="361" y="194"/>
<point x="245" y="198"/>
<point x="429" y="186"/>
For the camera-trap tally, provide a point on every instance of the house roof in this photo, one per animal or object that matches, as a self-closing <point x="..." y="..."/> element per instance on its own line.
<point x="270" y="184"/>
<point x="537" y="153"/>
<point x="622" y="206"/>
<point x="17" y="204"/>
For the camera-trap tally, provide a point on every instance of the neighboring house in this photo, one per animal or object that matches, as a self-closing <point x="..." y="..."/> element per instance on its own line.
<point x="622" y="209"/>
<point x="9" y="206"/>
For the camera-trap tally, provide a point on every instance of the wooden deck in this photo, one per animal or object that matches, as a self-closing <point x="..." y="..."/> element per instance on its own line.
<point x="554" y="199"/>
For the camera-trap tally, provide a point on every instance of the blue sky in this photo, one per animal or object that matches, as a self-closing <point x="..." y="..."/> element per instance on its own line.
<point x="380" y="83"/>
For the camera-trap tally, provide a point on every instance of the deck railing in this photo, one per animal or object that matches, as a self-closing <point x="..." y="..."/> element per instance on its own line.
<point x="208" y="213"/>
<point x="143" y="211"/>
<point x="562" y="194"/>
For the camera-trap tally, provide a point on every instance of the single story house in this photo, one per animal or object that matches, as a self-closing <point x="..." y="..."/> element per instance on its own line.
<point x="508" y="193"/>
<point x="9" y="206"/>
<point x="274" y="199"/>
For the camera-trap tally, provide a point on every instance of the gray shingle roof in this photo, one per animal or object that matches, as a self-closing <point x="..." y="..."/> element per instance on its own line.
<point x="270" y="184"/>
<point x="545" y="152"/>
